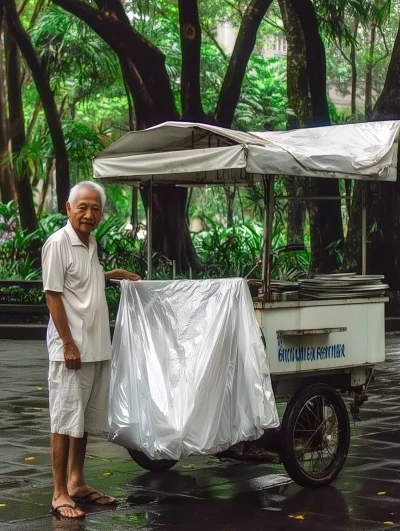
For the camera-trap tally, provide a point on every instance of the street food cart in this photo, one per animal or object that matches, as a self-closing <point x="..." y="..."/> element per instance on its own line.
<point x="316" y="344"/>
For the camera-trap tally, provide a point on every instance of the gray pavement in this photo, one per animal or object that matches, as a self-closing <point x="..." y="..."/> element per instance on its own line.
<point x="199" y="493"/>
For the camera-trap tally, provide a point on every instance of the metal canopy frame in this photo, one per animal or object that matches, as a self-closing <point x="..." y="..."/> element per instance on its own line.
<point x="269" y="204"/>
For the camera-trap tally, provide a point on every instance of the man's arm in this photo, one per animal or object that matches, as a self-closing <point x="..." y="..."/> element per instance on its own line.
<point x="120" y="274"/>
<point x="57" y="311"/>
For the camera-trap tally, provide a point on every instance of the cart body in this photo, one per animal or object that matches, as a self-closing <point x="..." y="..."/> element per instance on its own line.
<point x="322" y="340"/>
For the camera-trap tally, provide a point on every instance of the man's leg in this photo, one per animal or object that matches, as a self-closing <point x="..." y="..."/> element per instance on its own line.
<point x="95" y="381"/>
<point x="77" y="486"/>
<point x="59" y="459"/>
<point x="76" y="461"/>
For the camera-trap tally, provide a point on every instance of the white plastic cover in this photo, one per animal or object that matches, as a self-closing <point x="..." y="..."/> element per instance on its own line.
<point x="189" y="371"/>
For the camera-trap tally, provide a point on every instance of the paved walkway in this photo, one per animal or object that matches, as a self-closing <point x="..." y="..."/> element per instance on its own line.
<point x="198" y="494"/>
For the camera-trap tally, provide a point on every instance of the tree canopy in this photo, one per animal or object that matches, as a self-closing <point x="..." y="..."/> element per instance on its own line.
<point x="77" y="74"/>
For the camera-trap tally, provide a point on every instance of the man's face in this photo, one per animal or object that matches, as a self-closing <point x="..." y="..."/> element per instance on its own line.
<point x="85" y="214"/>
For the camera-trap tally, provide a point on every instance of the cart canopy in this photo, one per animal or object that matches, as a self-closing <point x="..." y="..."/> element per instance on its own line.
<point x="192" y="153"/>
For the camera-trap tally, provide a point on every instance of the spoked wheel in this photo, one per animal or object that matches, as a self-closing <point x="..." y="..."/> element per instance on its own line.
<point x="315" y="436"/>
<point x="156" y="465"/>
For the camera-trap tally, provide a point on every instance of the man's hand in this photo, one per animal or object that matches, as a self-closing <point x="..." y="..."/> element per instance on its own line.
<point x="72" y="355"/>
<point x="121" y="273"/>
<point x="127" y="275"/>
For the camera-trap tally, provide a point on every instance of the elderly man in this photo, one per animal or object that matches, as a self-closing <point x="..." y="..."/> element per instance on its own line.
<point x="79" y="345"/>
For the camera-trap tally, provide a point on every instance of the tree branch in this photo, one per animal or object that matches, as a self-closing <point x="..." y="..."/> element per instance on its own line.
<point x="273" y="25"/>
<point x="347" y="59"/>
<point x="212" y="38"/>
<point x="131" y="112"/>
<point x="386" y="48"/>
<point x="36" y="12"/>
<point x="234" y="6"/>
<point x="32" y="123"/>
<point x="22" y="6"/>
<point x="17" y="132"/>
<point x="146" y="73"/>
<point x="244" y="46"/>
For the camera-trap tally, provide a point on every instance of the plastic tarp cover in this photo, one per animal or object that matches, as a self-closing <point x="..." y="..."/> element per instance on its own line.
<point x="358" y="150"/>
<point x="189" y="372"/>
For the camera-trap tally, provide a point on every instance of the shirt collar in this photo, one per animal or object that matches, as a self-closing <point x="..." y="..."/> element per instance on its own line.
<point x="75" y="238"/>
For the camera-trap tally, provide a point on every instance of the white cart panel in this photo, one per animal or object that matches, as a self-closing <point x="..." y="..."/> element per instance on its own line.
<point x="321" y="335"/>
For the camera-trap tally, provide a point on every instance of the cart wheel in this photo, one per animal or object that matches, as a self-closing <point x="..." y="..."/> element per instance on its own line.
<point x="156" y="465"/>
<point x="315" y="436"/>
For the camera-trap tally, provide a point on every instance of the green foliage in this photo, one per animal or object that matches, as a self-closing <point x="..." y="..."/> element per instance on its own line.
<point x="91" y="97"/>
<point x="226" y="252"/>
<point x="234" y="251"/>
<point x="82" y="143"/>
<point x="263" y="100"/>
<point x="15" y="260"/>
<point x="77" y="58"/>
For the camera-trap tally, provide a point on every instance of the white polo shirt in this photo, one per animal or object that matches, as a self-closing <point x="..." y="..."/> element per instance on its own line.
<point x="70" y="268"/>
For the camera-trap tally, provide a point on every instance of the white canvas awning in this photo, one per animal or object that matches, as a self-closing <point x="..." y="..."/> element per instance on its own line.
<point x="193" y="154"/>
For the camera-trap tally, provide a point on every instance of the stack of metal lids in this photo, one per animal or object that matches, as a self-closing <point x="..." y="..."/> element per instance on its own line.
<point x="342" y="286"/>
<point x="280" y="286"/>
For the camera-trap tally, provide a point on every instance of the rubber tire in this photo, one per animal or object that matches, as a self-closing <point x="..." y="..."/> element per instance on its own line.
<point x="156" y="465"/>
<point x="288" y="455"/>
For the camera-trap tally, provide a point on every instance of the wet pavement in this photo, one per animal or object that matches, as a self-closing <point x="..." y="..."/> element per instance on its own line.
<point x="199" y="493"/>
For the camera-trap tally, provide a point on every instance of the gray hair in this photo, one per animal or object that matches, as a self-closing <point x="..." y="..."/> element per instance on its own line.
<point x="87" y="184"/>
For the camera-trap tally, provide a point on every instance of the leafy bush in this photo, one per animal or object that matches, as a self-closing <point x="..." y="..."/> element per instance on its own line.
<point x="224" y="252"/>
<point x="234" y="251"/>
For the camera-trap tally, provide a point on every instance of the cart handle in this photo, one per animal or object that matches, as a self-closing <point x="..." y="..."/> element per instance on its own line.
<point x="310" y="331"/>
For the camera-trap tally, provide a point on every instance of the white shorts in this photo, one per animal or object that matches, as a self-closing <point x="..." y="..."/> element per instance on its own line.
<point x="79" y="400"/>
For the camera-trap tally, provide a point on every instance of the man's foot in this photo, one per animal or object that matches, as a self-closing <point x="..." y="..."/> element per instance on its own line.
<point x="86" y="494"/>
<point x="64" y="507"/>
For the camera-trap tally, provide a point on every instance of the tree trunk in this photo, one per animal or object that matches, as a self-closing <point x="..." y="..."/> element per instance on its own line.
<point x="134" y="209"/>
<point x="353" y="65"/>
<point x="50" y="168"/>
<point x="352" y="246"/>
<point x="316" y="60"/>
<point x="297" y="75"/>
<point x="368" y="74"/>
<point x="300" y="103"/>
<point x="244" y="46"/>
<point x="296" y="211"/>
<point x="230" y="192"/>
<point x="170" y="236"/>
<point x="383" y="219"/>
<point x="190" y="32"/>
<point x="49" y="105"/>
<point x="17" y="135"/>
<point x="7" y="186"/>
<point x="325" y="216"/>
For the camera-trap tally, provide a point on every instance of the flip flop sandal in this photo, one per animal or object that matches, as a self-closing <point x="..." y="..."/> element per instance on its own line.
<point x="93" y="498"/>
<point x="55" y="511"/>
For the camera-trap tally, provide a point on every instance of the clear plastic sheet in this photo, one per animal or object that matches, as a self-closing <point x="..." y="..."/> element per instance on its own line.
<point x="189" y="371"/>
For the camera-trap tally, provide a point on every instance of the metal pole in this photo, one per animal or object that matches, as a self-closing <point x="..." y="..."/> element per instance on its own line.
<point x="173" y="269"/>
<point x="363" y="229"/>
<point x="268" y="181"/>
<point x="150" y="231"/>
<point x="313" y="197"/>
